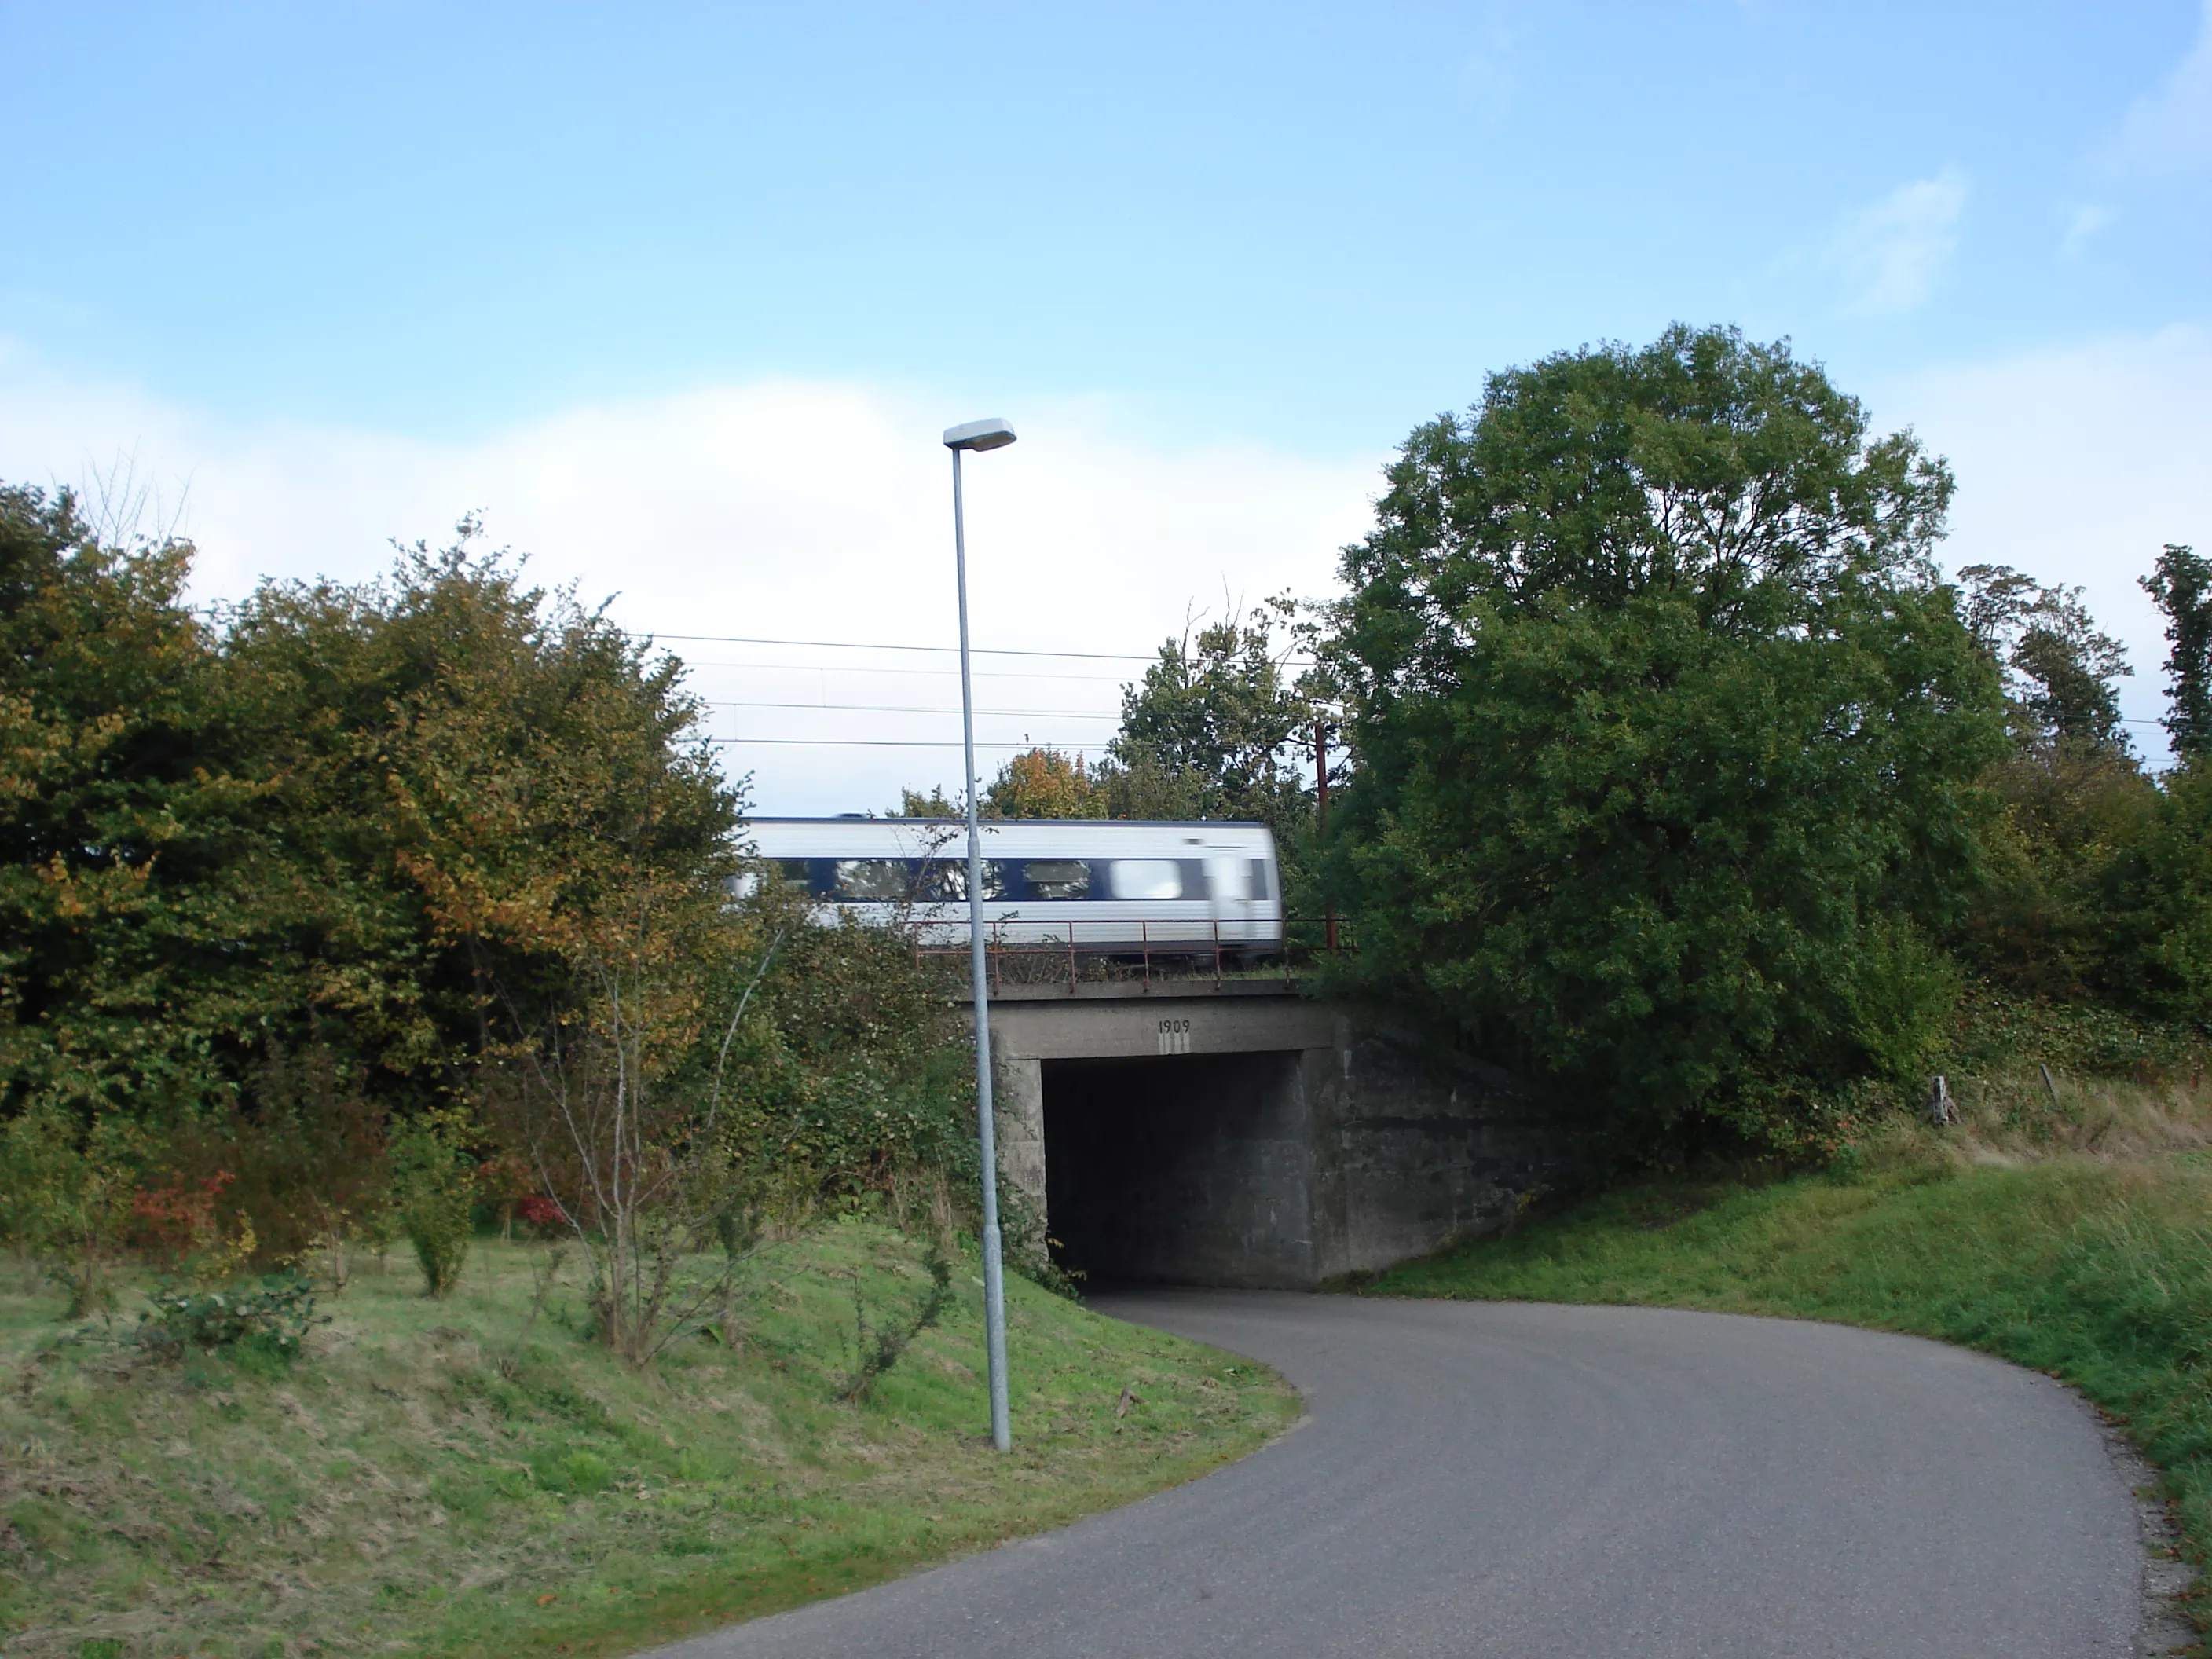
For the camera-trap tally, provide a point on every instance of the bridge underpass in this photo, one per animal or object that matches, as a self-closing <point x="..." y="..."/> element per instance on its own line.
<point x="1242" y="1134"/>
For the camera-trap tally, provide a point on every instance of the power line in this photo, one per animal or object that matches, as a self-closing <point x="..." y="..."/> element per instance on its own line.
<point x="940" y="673"/>
<point x="890" y="743"/>
<point x="1079" y="746"/>
<point x="864" y="645"/>
<point x="908" y="708"/>
<point x="950" y="650"/>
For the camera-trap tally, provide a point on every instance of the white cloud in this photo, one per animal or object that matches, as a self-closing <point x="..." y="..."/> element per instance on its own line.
<point x="789" y="509"/>
<point x="818" y="511"/>
<point x="2168" y="133"/>
<point x="1887" y="255"/>
<point x="2075" y="465"/>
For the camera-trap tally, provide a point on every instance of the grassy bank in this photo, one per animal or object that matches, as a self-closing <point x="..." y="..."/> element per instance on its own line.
<point x="466" y="1477"/>
<point x="2073" y="1236"/>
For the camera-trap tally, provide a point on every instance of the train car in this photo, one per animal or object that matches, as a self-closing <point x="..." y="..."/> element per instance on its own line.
<point x="1108" y="887"/>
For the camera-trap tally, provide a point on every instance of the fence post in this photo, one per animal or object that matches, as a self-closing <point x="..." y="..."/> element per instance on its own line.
<point x="1217" y="953"/>
<point x="1071" y="956"/>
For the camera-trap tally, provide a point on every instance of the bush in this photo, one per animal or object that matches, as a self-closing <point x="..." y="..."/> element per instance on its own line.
<point x="271" y="1318"/>
<point x="434" y="1183"/>
<point x="2173" y="897"/>
<point x="65" y="1197"/>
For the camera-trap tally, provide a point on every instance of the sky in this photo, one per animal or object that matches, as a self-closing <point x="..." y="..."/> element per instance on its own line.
<point x="679" y="298"/>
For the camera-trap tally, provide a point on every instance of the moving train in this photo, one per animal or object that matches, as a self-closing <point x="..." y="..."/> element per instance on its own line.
<point x="1107" y="887"/>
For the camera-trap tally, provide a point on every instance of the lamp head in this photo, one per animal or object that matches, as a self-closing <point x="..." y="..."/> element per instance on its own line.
<point x="979" y="435"/>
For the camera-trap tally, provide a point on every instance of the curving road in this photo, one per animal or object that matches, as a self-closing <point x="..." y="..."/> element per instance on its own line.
<point x="1507" y="1479"/>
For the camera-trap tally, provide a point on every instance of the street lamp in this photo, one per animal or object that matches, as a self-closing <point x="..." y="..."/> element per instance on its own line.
<point x="980" y="435"/>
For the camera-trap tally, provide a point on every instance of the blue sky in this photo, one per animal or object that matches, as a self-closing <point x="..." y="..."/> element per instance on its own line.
<point x="326" y="274"/>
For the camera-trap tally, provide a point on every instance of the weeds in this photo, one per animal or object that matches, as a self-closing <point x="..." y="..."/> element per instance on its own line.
<point x="876" y="1349"/>
<point x="435" y="1469"/>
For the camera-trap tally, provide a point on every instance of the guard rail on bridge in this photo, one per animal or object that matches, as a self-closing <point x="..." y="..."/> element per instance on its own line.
<point x="1176" y="949"/>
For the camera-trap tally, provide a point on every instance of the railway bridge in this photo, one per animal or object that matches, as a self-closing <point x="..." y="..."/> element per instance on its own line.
<point x="1234" y="1132"/>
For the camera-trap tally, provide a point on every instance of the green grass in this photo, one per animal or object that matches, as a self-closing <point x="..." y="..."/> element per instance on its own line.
<point x="2012" y="1235"/>
<point x="456" y="1477"/>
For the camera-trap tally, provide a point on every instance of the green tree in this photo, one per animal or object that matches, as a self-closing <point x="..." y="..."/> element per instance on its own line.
<point x="117" y="799"/>
<point x="329" y="827"/>
<point x="913" y="803"/>
<point x="2182" y="585"/>
<point x="462" y="769"/>
<point x="2071" y="816"/>
<point x="2171" y="896"/>
<point x="2074" y="799"/>
<point x="1668" y="739"/>
<point x="2061" y="669"/>
<point x="1043" y="783"/>
<point x="1211" y="723"/>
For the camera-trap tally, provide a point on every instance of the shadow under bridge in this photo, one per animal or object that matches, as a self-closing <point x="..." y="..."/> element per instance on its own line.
<point x="1244" y="1134"/>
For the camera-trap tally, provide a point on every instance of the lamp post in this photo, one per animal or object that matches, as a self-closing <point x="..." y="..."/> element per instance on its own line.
<point x="980" y="435"/>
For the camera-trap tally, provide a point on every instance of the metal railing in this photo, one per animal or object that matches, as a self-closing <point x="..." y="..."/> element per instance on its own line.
<point x="1044" y="955"/>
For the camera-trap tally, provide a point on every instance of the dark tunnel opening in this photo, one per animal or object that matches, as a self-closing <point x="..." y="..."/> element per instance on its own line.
<point x="1182" y="1169"/>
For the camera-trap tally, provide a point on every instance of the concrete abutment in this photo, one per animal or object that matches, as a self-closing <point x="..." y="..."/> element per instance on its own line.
<point x="1251" y="1136"/>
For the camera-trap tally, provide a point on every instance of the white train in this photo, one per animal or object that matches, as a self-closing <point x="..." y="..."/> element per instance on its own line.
<point x="1097" y="886"/>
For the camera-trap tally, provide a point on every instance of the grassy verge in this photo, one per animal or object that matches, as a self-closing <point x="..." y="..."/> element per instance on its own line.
<point x="2074" y="1238"/>
<point x="464" y="1477"/>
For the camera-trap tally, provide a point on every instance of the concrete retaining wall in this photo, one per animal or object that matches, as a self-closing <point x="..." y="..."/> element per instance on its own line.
<point x="1253" y="1138"/>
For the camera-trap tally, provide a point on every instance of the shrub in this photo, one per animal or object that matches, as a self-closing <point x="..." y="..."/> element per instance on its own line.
<point x="878" y="1346"/>
<point x="65" y="1195"/>
<point x="435" y="1187"/>
<point x="272" y="1317"/>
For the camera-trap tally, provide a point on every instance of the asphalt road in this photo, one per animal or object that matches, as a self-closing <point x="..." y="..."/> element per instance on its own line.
<point x="1478" y="1478"/>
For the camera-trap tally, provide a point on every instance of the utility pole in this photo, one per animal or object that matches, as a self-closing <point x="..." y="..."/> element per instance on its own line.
<point x="1320" y="813"/>
<point x="978" y="436"/>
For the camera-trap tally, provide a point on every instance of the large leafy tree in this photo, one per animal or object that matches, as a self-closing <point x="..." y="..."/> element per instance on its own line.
<point x="115" y="798"/>
<point x="2163" y="918"/>
<point x="2181" y="584"/>
<point x="1210" y="727"/>
<point x="1043" y="783"/>
<point x="2060" y="669"/>
<point x="2073" y="797"/>
<point x="347" y="821"/>
<point x="465" y="771"/>
<point x="1668" y="737"/>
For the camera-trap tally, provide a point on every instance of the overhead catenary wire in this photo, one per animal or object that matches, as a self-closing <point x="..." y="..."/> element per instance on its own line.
<point x="1079" y="745"/>
<point x="938" y="673"/>
<point x="888" y="743"/>
<point x="866" y="645"/>
<point x="911" y="709"/>
<point x="950" y="650"/>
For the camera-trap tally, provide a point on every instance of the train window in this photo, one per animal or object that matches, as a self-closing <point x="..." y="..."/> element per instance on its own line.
<point x="939" y="881"/>
<point x="1261" y="889"/>
<point x="872" y="880"/>
<point x="945" y="881"/>
<point x="1057" y="879"/>
<point x="1144" y="879"/>
<point x="793" y="871"/>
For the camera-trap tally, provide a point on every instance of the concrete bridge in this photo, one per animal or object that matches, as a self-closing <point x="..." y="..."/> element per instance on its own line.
<point x="1239" y="1134"/>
